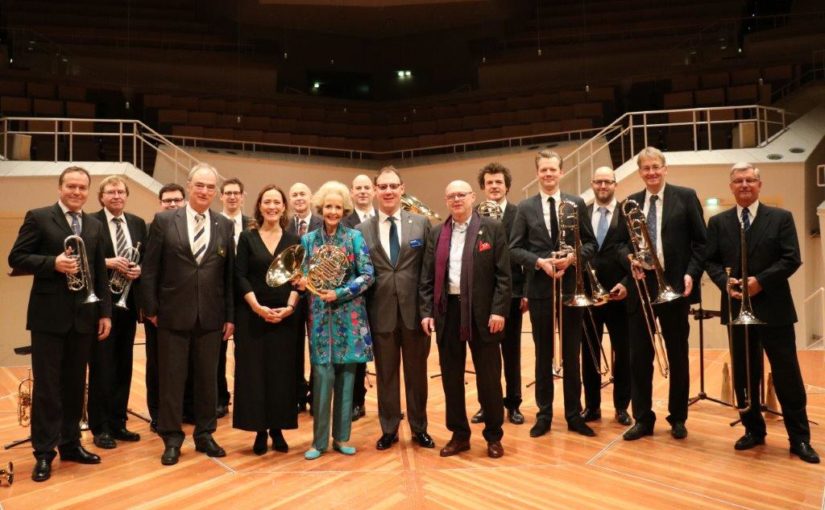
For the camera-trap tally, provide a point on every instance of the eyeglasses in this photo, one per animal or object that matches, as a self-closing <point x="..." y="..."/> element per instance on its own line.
<point x="384" y="187"/>
<point x="233" y="193"/>
<point x="169" y="201"/>
<point x="653" y="168"/>
<point x="603" y="182"/>
<point x="457" y="197"/>
<point x="739" y="182"/>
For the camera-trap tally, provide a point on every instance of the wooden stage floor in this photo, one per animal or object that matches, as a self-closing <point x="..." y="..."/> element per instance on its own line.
<point x="559" y="470"/>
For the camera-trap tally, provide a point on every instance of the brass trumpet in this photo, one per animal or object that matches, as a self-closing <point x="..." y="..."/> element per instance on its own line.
<point x="24" y="400"/>
<point x="76" y="249"/>
<point x="491" y="209"/>
<point x="411" y="204"/>
<point x="118" y="282"/>
<point x="327" y="268"/>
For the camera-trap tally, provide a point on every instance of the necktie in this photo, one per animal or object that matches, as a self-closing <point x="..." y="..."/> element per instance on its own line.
<point x="395" y="246"/>
<point x="554" y="223"/>
<point x="75" y="223"/>
<point x="120" y="237"/>
<point x="302" y="227"/>
<point x="199" y="242"/>
<point x="652" y="220"/>
<point x="746" y="219"/>
<point x="601" y="229"/>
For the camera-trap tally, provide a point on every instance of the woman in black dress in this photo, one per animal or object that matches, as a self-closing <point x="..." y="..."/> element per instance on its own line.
<point x="265" y="371"/>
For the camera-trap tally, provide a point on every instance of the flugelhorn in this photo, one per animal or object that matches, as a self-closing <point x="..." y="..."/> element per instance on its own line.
<point x="411" y="204"/>
<point x="327" y="268"/>
<point x="76" y="249"/>
<point x="119" y="283"/>
<point x="491" y="209"/>
<point x="24" y="400"/>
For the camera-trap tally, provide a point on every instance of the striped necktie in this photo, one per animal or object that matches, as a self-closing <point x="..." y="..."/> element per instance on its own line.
<point x="120" y="237"/>
<point x="75" y="223"/>
<point x="199" y="241"/>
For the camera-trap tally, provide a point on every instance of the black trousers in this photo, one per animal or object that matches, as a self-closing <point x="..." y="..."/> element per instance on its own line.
<point x="110" y="374"/>
<point x="359" y="386"/>
<point x="675" y="328"/>
<point x="541" y="316"/>
<point x="152" y="375"/>
<point x="779" y="343"/>
<point x="304" y="386"/>
<point x="452" y="353"/>
<point x="59" y="373"/>
<point x="511" y="355"/>
<point x="174" y="350"/>
<point x="614" y="315"/>
<point x="223" y="387"/>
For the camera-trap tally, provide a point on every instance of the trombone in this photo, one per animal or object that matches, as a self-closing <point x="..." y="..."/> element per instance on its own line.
<point x="327" y="268"/>
<point x="644" y="253"/>
<point x="118" y="282"/>
<point x="599" y="296"/>
<point x="745" y="318"/>
<point x="75" y="248"/>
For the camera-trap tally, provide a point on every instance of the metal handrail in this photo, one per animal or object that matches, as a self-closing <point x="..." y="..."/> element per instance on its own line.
<point x="622" y="135"/>
<point x="127" y="131"/>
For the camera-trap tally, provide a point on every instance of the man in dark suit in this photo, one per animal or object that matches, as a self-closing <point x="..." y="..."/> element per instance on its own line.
<point x="533" y="242"/>
<point x="63" y="322"/>
<point x="464" y="297"/>
<point x="495" y="180"/>
<point x="232" y="198"/>
<point x="772" y="256"/>
<point x="362" y="193"/>
<point x="110" y="363"/>
<point x="676" y="228"/>
<point x="303" y="220"/>
<point x="396" y="240"/>
<point x="187" y="292"/>
<point x="171" y="196"/>
<point x="612" y="272"/>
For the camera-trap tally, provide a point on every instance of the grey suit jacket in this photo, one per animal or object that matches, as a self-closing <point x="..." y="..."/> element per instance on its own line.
<point x="396" y="288"/>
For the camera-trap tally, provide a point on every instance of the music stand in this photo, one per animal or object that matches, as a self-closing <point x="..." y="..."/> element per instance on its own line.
<point x="20" y="351"/>
<point x="701" y="314"/>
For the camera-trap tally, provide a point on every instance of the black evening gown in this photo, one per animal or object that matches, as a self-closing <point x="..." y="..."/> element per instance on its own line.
<point x="265" y="371"/>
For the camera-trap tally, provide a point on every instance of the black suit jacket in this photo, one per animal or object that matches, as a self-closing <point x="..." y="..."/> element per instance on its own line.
<point x="684" y="236"/>
<point x="175" y="288"/>
<point x="772" y="257"/>
<point x="610" y="262"/>
<point x="53" y="308"/>
<point x="138" y="234"/>
<point x="529" y="241"/>
<point x="516" y="271"/>
<point x="491" y="280"/>
<point x="315" y="221"/>
<point x="352" y="220"/>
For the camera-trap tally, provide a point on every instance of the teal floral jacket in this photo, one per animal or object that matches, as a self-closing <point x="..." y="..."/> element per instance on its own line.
<point x="340" y="331"/>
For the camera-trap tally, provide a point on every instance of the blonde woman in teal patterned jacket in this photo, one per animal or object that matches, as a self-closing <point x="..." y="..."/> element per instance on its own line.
<point x="339" y="331"/>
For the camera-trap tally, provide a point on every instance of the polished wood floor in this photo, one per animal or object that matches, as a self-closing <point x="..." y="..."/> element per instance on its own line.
<point x="559" y="470"/>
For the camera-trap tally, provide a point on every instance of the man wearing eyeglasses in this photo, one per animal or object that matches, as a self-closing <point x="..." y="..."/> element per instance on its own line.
<point x="612" y="272"/>
<point x="464" y="297"/>
<point x="170" y="197"/>
<point x="676" y="228"/>
<point x="396" y="240"/>
<point x="772" y="256"/>
<point x="110" y="362"/>
<point x="535" y="244"/>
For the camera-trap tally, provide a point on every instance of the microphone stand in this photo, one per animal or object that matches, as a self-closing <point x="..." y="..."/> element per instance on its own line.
<point x="701" y="314"/>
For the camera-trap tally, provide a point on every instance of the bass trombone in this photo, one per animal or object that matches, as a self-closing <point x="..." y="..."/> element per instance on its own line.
<point x="75" y="248"/>
<point x="119" y="283"/>
<point x="327" y="268"/>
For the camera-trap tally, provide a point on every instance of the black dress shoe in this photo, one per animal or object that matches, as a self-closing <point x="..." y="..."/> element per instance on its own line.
<point x="678" y="430"/>
<point x="358" y="412"/>
<point x="638" y="431"/>
<point x="423" y="439"/>
<point x="105" y="440"/>
<point x="259" y="446"/>
<point x="805" y="452"/>
<point x="623" y="418"/>
<point x="42" y="470"/>
<point x="125" y="434"/>
<point x="222" y="410"/>
<point x="170" y="456"/>
<point x="386" y="441"/>
<point x="581" y="428"/>
<point x="748" y="441"/>
<point x="589" y="415"/>
<point x="209" y="447"/>
<point x="515" y="417"/>
<point x="478" y="417"/>
<point x="80" y="455"/>
<point x="278" y="442"/>
<point x="540" y="428"/>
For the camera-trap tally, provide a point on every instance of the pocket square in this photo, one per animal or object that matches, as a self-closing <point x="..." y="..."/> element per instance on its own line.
<point x="484" y="246"/>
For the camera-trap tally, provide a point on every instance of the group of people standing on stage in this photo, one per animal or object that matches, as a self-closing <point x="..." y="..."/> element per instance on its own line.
<point x="201" y="279"/>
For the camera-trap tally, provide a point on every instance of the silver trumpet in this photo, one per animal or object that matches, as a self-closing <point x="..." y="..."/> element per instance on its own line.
<point x="327" y="268"/>
<point x="119" y="283"/>
<point x="76" y="249"/>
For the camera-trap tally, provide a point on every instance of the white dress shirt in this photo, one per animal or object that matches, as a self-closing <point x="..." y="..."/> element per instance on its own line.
<point x="190" y="225"/>
<point x="384" y="230"/>
<point x="456" y="252"/>
<point x="594" y="220"/>
<point x="660" y="253"/>
<point x="752" y="210"/>
<point x="364" y="215"/>
<point x="545" y="209"/>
